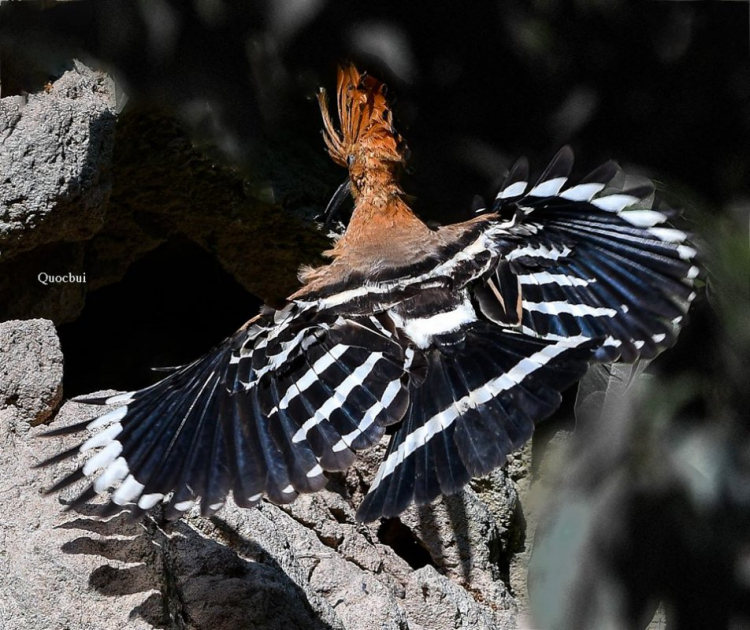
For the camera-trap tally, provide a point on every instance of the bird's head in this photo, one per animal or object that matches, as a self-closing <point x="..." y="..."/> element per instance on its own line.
<point x="367" y="142"/>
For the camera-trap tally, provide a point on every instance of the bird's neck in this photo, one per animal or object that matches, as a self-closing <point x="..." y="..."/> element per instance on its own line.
<point x="380" y="214"/>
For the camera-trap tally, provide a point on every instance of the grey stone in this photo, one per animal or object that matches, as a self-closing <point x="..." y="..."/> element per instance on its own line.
<point x="55" y="147"/>
<point x="179" y="190"/>
<point x="55" y="158"/>
<point x="25" y="295"/>
<point x="51" y="561"/>
<point x="463" y="538"/>
<point x="67" y="205"/>
<point x="31" y="368"/>
<point x="435" y="602"/>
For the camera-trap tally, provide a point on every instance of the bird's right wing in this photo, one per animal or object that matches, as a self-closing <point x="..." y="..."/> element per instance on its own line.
<point x="286" y="398"/>
<point x="588" y="260"/>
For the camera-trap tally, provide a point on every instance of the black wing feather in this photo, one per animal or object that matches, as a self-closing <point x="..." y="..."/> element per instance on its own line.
<point x="218" y="425"/>
<point x="592" y="260"/>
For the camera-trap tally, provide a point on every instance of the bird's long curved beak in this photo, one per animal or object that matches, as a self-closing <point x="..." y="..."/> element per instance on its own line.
<point x="337" y="201"/>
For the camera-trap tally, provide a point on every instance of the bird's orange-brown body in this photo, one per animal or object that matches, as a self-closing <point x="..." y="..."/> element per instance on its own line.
<point x="383" y="229"/>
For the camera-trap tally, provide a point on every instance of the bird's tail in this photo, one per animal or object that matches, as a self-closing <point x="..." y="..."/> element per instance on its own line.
<point x="480" y="400"/>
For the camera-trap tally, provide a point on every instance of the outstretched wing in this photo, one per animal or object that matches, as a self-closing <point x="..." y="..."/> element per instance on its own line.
<point x="288" y="397"/>
<point x="591" y="260"/>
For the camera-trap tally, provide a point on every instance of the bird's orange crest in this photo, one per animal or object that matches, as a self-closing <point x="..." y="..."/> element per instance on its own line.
<point x="366" y="120"/>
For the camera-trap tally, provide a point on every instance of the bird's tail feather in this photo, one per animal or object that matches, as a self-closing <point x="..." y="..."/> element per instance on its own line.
<point x="479" y="402"/>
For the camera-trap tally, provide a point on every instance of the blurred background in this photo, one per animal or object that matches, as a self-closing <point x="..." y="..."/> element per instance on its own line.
<point x="662" y="87"/>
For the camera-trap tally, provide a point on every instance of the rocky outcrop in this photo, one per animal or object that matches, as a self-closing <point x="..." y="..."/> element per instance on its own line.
<point x="55" y="157"/>
<point x="31" y="369"/>
<point x="70" y="203"/>
<point x="55" y="179"/>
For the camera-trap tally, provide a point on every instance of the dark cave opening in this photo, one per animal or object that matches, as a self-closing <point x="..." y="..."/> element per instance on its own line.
<point x="173" y="304"/>
<point x="401" y="539"/>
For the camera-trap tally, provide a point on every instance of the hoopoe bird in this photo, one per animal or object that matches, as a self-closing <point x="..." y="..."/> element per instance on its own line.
<point x="463" y="337"/>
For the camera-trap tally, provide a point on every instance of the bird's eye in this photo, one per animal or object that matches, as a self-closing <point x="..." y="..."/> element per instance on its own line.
<point x="350" y="160"/>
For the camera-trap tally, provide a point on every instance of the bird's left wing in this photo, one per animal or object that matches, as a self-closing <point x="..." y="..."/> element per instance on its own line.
<point x="292" y="394"/>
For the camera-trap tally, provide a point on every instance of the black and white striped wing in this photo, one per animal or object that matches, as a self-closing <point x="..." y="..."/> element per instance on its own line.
<point x="485" y="389"/>
<point x="265" y="413"/>
<point x="589" y="260"/>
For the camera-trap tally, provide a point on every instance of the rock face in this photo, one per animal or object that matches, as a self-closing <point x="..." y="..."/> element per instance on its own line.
<point x="72" y="204"/>
<point x="31" y="369"/>
<point x="56" y="149"/>
<point x="55" y="154"/>
<point x="306" y="565"/>
<point x="165" y="187"/>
